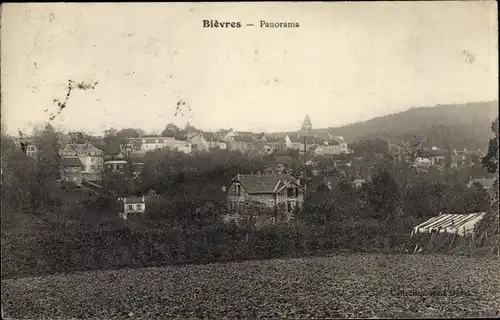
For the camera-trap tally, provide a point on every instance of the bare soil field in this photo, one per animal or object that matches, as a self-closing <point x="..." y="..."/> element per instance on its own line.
<point x="343" y="286"/>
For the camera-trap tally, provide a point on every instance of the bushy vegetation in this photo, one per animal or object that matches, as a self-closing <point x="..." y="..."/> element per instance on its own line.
<point x="47" y="229"/>
<point x="467" y="125"/>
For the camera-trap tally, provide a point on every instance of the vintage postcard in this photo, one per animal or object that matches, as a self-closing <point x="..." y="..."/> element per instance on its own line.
<point x="247" y="160"/>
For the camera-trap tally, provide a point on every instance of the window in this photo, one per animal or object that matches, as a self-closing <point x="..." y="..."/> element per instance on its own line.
<point x="238" y="189"/>
<point x="130" y="207"/>
<point x="234" y="206"/>
<point x="290" y="192"/>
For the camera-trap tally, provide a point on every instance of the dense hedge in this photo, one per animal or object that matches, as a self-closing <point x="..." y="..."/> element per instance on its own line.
<point x="68" y="250"/>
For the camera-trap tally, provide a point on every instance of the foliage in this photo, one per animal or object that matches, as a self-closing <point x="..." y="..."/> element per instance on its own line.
<point x="490" y="161"/>
<point x="467" y="124"/>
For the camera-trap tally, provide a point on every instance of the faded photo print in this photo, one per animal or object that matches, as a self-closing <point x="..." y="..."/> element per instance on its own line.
<point x="237" y="160"/>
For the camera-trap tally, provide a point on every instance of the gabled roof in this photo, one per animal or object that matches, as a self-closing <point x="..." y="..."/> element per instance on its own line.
<point x="244" y="138"/>
<point x="72" y="162"/>
<point x="280" y="139"/>
<point x="269" y="183"/>
<point x="81" y="148"/>
<point x="191" y="135"/>
<point x="322" y="134"/>
<point x="300" y="139"/>
<point x="133" y="199"/>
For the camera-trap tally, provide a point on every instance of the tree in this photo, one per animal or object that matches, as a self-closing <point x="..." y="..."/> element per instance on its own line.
<point x="489" y="225"/>
<point x="384" y="196"/>
<point x="490" y="161"/>
<point x="79" y="137"/>
<point x="129" y="133"/>
<point x="112" y="141"/>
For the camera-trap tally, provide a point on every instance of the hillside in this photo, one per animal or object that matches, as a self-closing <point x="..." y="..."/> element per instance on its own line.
<point x="469" y="125"/>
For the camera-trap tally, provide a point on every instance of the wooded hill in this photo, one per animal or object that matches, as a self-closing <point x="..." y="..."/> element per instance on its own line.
<point x="467" y="125"/>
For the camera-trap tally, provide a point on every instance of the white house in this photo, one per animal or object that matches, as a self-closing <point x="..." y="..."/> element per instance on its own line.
<point x="326" y="149"/>
<point x="90" y="157"/>
<point x="198" y="141"/>
<point x="115" y="165"/>
<point x="131" y="205"/>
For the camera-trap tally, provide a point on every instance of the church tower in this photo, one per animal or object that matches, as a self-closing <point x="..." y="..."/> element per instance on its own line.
<point x="307" y="125"/>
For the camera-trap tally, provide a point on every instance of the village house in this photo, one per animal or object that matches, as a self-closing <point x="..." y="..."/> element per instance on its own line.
<point x="151" y="143"/>
<point x="129" y="145"/>
<point x="276" y="143"/>
<point x="278" y="165"/>
<point x="242" y="143"/>
<point x="214" y="141"/>
<point x="71" y="171"/>
<point x="115" y="165"/>
<point x="90" y="157"/>
<point x="132" y="205"/>
<point x="198" y="141"/>
<point x="272" y="191"/>
<point x="431" y="157"/>
<point x="331" y="147"/>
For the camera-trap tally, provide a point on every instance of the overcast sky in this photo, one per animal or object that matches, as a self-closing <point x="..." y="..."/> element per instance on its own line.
<point x="347" y="62"/>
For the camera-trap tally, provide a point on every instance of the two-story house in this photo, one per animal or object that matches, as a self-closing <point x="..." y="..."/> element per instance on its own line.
<point x="331" y="147"/>
<point x="90" y="157"/>
<point x="71" y="171"/>
<point x="276" y="143"/>
<point x="27" y="145"/>
<point x="131" y="205"/>
<point x="198" y="141"/>
<point x="273" y="191"/>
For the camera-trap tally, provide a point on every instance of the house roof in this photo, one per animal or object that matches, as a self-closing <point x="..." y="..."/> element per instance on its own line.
<point x="300" y="139"/>
<point x="116" y="162"/>
<point x="81" y="148"/>
<point x="322" y="134"/>
<point x="133" y="199"/>
<point x="244" y="138"/>
<point x="191" y="135"/>
<point x="263" y="183"/>
<point x="275" y="139"/>
<point x="459" y="223"/>
<point x="210" y="136"/>
<point x="260" y="136"/>
<point x="71" y="162"/>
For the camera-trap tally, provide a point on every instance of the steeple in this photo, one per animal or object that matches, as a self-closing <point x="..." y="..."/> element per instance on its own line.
<point x="306" y="125"/>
